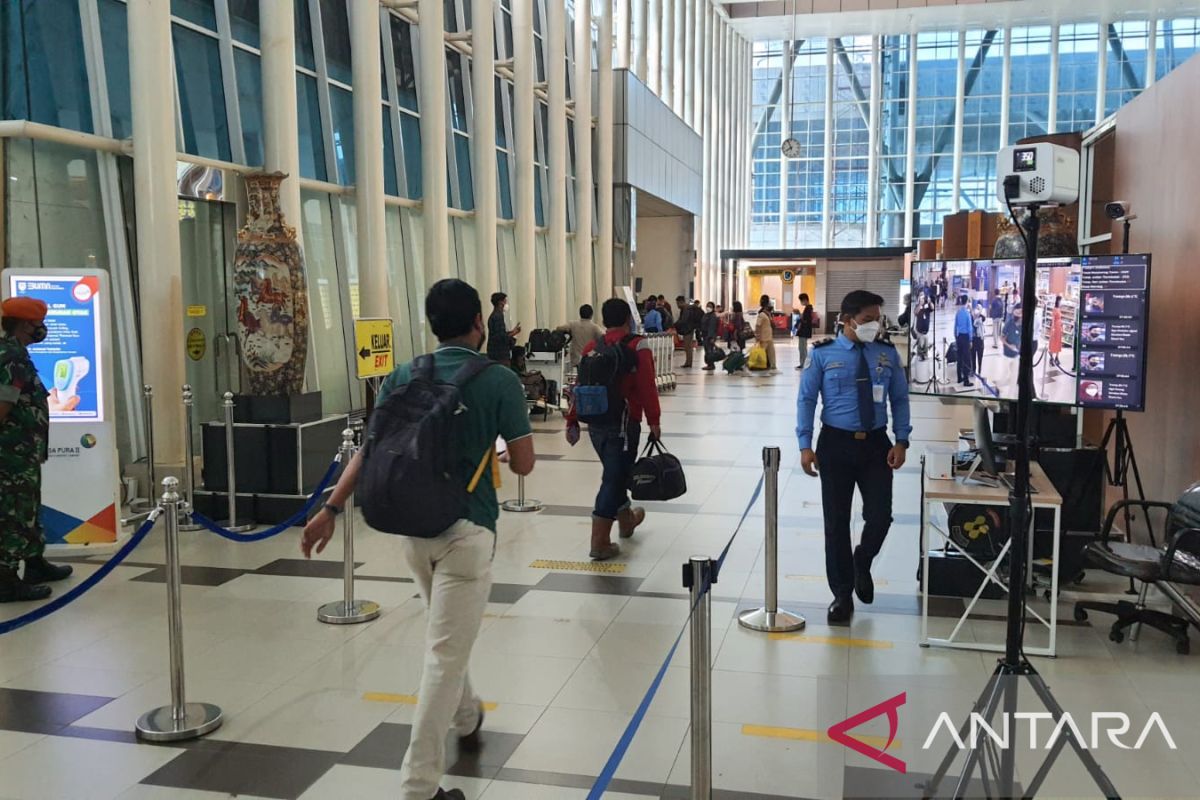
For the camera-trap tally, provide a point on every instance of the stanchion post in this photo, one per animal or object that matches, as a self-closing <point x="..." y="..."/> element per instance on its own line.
<point x="521" y="504"/>
<point x="698" y="582"/>
<point x="771" y="618"/>
<point x="348" y="611"/>
<point x="231" y="524"/>
<point x="181" y="719"/>
<point x="151" y="471"/>
<point x="189" y="465"/>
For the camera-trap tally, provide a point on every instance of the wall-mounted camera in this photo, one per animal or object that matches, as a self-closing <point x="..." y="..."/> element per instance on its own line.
<point x="1119" y="210"/>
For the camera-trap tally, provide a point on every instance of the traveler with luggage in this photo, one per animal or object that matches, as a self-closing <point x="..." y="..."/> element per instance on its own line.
<point x="615" y="390"/>
<point x="581" y="331"/>
<point x="764" y="332"/>
<point x="500" y="340"/>
<point x="737" y="322"/>
<point x="804" y="330"/>
<point x="429" y="471"/>
<point x="686" y="326"/>
<point x="709" y="325"/>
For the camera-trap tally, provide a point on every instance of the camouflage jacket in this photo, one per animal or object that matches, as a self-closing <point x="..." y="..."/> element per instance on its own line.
<point x="24" y="432"/>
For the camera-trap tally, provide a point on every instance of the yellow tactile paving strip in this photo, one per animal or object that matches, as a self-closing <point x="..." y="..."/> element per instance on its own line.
<point x="601" y="567"/>
<point x="837" y="641"/>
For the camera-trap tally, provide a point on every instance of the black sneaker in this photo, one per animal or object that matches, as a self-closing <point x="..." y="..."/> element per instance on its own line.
<point x="449" y="794"/>
<point x="473" y="741"/>
<point x="864" y="585"/>
<point x="840" y="610"/>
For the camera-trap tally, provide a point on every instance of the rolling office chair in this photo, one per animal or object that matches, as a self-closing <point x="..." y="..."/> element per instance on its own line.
<point x="1176" y="561"/>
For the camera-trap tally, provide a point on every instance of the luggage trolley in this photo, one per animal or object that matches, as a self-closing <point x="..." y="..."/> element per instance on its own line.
<point x="554" y="365"/>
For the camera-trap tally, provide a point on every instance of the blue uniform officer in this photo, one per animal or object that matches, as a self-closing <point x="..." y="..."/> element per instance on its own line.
<point x="964" y="331"/>
<point x="855" y="377"/>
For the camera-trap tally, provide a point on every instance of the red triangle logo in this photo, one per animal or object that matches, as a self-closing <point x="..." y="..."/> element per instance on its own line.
<point x="840" y="732"/>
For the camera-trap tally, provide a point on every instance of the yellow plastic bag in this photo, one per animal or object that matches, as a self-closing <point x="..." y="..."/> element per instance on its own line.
<point x="757" y="358"/>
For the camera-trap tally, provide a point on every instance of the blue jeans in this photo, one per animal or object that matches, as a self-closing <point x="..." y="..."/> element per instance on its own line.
<point x="617" y="454"/>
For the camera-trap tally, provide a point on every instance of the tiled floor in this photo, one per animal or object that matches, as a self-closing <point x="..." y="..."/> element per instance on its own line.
<point x="564" y="656"/>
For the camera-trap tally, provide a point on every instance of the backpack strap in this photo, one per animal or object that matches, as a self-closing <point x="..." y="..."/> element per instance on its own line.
<point x="423" y="367"/>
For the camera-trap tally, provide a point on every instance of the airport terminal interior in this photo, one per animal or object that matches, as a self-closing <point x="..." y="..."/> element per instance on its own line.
<point x="220" y="221"/>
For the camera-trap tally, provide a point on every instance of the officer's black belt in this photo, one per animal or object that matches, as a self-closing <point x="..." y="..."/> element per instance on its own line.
<point x="841" y="433"/>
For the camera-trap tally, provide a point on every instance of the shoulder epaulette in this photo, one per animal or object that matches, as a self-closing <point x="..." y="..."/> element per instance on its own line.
<point x="823" y="343"/>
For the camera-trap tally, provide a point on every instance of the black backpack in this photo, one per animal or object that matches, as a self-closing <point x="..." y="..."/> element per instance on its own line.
<point x="544" y="340"/>
<point x="407" y="484"/>
<point x="598" y="398"/>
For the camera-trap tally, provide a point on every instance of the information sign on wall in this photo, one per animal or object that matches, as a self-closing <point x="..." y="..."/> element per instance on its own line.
<point x="80" y="479"/>
<point x="373" y="348"/>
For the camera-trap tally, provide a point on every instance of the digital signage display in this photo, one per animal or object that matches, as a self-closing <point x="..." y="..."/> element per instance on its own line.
<point x="1113" y="325"/>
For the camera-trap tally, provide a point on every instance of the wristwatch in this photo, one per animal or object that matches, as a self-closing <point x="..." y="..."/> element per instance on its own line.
<point x="331" y="508"/>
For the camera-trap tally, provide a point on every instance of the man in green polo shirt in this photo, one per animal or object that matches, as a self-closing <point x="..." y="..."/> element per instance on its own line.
<point x="453" y="571"/>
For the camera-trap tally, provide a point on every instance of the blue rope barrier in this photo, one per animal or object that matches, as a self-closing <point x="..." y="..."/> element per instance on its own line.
<point x="291" y="521"/>
<point x="618" y="753"/>
<point x="64" y="599"/>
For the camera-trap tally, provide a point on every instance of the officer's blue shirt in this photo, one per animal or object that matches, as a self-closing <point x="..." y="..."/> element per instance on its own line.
<point x="652" y="322"/>
<point x="963" y="326"/>
<point x="831" y="374"/>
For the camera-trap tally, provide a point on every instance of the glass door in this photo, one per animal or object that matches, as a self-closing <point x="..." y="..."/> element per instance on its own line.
<point x="207" y="234"/>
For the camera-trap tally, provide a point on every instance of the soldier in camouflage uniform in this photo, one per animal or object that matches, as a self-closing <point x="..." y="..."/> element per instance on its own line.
<point x="24" y="428"/>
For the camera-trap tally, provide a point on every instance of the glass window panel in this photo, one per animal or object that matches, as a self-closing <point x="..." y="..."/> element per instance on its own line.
<point x="458" y="97"/>
<point x="335" y="27"/>
<point x="1078" y="59"/>
<point x="243" y="18"/>
<point x="312" y="149"/>
<point x="1029" y="67"/>
<point x="201" y="94"/>
<point x="462" y="159"/>
<point x="501" y="131"/>
<point x="504" y="186"/>
<point x="34" y="85"/>
<point x="250" y="93"/>
<point x="200" y="12"/>
<point x="1125" y="66"/>
<point x="391" y="184"/>
<point x="324" y="303"/>
<point x="114" y="35"/>
<point x="410" y="142"/>
<point x="304" y="42"/>
<point x="1177" y="40"/>
<point x="406" y="74"/>
<point x="341" y="106"/>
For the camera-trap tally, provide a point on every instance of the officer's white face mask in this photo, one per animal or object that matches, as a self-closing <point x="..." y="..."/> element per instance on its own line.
<point x="866" y="331"/>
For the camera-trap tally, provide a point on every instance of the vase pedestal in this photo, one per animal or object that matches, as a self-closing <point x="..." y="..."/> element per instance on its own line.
<point x="288" y="409"/>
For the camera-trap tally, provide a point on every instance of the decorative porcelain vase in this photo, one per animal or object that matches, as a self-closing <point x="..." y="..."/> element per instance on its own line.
<point x="271" y="293"/>
<point x="1056" y="237"/>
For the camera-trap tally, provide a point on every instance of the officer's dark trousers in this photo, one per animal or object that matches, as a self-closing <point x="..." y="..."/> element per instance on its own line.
<point x="962" y="347"/>
<point x="846" y="462"/>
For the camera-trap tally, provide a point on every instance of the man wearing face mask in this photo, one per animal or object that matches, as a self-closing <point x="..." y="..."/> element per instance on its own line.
<point x="855" y="377"/>
<point x="24" y="429"/>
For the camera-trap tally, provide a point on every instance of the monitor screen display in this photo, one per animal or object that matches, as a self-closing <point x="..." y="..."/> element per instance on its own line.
<point x="965" y="334"/>
<point x="1025" y="160"/>
<point x="1112" y="360"/>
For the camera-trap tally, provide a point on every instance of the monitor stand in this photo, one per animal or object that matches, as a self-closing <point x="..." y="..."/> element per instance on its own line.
<point x="982" y="479"/>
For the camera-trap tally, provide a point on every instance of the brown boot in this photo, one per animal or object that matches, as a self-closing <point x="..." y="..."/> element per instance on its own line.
<point x="603" y="547"/>
<point x="629" y="519"/>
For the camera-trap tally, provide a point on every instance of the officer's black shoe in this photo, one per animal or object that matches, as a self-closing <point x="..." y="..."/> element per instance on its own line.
<point x="15" y="590"/>
<point x="39" y="570"/>
<point x="864" y="585"/>
<point x="452" y="794"/>
<point x="840" y="610"/>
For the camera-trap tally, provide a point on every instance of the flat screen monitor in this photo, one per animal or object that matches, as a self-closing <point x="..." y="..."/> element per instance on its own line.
<point x="968" y="313"/>
<point x="1113" y="331"/>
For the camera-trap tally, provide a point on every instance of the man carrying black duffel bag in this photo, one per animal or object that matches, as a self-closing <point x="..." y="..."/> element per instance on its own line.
<point x="615" y="389"/>
<point x="427" y="472"/>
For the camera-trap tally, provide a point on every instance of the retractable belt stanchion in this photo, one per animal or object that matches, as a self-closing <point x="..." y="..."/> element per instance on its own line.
<point x="148" y="400"/>
<point x="231" y="524"/>
<point x="698" y="576"/>
<point x="771" y="618"/>
<point x="521" y="504"/>
<point x="348" y="611"/>
<point x="181" y="719"/>
<point x="189" y="465"/>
